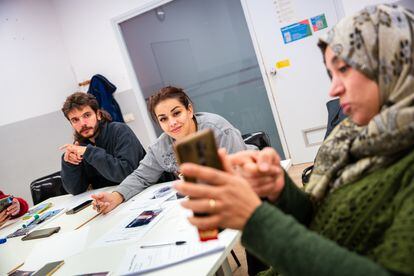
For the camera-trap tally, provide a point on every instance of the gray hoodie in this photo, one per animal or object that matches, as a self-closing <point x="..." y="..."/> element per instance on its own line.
<point x="160" y="156"/>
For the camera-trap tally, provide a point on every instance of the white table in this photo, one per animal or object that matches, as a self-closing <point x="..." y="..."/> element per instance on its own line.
<point x="99" y="259"/>
<point x="108" y="258"/>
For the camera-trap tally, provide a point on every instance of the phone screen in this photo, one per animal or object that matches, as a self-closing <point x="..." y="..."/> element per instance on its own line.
<point x="5" y="202"/>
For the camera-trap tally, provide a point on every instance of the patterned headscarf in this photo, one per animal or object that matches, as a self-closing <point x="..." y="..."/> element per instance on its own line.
<point x="378" y="42"/>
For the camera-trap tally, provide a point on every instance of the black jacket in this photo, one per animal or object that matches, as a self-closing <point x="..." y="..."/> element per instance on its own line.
<point x="115" y="155"/>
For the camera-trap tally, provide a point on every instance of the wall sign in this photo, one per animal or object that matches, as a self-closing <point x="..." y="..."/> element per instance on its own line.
<point x="319" y="22"/>
<point x="296" y="31"/>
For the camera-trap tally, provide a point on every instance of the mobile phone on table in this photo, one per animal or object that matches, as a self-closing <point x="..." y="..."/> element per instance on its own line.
<point x="200" y="148"/>
<point x="80" y="207"/>
<point x="42" y="233"/>
<point x="5" y="202"/>
<point x="48" y="269"/>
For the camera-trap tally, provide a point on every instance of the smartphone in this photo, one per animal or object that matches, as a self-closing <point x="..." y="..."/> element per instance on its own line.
<point x="80" y="207"/>
<point x="5" y="202"/>
<point x="48" y="269"/>
<point x="200" y="148"/>
<point x="42" y="233"/>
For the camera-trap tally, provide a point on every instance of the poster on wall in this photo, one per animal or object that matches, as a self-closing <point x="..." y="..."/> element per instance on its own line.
<point x="296" y="31"/>
<point x="285" y="11"/>
<point x="319" y="22"/>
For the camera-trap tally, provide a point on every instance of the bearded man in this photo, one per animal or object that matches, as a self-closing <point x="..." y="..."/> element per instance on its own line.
<point x="103" y="152"/>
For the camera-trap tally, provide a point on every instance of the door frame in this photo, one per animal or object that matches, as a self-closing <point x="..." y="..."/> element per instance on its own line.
<point x="152" y="4"/>
<point x="270" y="94"/>
<point x="136" y="88"/>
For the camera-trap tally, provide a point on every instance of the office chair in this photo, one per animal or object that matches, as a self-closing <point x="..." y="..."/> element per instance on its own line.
<point x="46" y="187"/>
<point x="259" y="139"/>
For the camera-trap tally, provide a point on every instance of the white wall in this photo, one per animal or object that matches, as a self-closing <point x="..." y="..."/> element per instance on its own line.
<point x="35" y="73"/>
<point x="352" y="6"/>
<point x="92" y="45"/>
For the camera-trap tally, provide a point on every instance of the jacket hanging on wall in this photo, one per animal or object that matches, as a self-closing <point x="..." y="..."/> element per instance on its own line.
<point x="103" y="89"/>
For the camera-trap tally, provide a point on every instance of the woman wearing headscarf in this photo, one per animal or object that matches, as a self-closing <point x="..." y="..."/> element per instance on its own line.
<point x="356" y="215"/>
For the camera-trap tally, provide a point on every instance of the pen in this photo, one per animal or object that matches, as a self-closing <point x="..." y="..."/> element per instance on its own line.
<point x="30" y="221"/>
<point x="164" y="244"/>
<point x="3" y="240"/>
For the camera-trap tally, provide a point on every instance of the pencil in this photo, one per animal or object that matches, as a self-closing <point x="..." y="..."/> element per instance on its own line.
<point x="87" y="221"/>
<point x="15" y="269"/>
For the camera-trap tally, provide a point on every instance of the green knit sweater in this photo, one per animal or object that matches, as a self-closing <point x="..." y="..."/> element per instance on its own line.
<point x="363" y="228"/>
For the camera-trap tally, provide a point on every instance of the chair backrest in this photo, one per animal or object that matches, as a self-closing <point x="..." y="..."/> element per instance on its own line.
<point x="259" y="139"/>
<point x="46" y="187"/>
<point x="335" y="116"/>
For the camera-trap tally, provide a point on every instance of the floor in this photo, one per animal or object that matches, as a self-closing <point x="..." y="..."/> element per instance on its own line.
<point x="295" y="172"/>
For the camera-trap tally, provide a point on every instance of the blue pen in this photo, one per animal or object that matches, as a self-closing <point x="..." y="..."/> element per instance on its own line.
<point x="3" y="240"/>
<point x="31" y="220"/>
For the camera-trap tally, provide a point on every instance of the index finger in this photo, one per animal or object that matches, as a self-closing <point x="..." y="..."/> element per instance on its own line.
<point x="266" y="158"/>
<point x="97" y="196"/>
<point x="242" y="157"/>
<point x="64" y="146"/>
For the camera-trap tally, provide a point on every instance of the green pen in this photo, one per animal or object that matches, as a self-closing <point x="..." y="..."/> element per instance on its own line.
<point x="31" y="220"/>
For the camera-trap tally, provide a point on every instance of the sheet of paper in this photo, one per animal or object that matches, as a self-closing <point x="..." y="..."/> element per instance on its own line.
<point x="150" y="203"/>
<point x="129" y="229"/>
<point x="143" y="260"/>
<point x="55" y="248"/>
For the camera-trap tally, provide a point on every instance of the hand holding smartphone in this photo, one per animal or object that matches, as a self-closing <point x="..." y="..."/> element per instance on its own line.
<point x="200" y="148"/>
<point x="5" y="203"/>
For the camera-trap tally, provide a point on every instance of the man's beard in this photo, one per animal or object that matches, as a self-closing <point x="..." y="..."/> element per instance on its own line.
<point x="80" y="137"/>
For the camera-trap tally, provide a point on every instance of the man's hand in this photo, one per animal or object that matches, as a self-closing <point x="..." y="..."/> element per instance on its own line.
<point x="14" y="209"/>
<point x="262" y="170"/>
<point x="73" y="153"/>
<point x="105" y="202"/>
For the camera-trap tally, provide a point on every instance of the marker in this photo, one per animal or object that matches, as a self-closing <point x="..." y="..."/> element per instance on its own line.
<point x="164" y="244"/>
<point x="31" y="220"/>
<point x="3" y="240"/>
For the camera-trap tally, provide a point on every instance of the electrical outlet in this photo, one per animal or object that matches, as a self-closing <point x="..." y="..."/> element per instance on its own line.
<point x="128" y="117"/>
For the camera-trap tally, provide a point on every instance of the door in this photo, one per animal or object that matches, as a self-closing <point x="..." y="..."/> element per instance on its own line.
<point x="287" y="32"/>
<point x="204" y="47"/>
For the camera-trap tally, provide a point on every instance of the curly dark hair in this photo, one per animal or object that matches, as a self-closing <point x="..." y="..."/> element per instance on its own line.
<point x="79" y="99"/>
